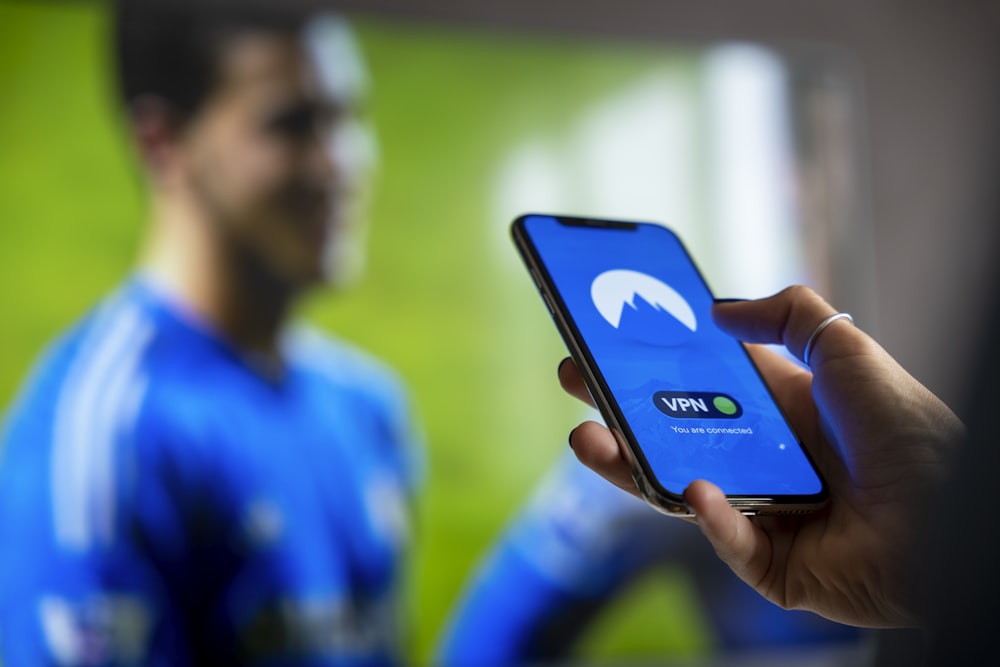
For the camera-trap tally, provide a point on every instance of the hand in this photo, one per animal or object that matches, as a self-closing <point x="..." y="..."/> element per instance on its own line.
<point x="880" y="439"/>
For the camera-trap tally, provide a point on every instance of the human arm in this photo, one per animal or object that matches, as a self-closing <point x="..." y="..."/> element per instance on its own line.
<point x="880" y="438"/>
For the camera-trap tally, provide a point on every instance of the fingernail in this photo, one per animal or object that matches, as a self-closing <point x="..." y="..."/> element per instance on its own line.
<point x="570" y="438"/>
<point x="561" y="364"/>
<point x="730" y="300"/>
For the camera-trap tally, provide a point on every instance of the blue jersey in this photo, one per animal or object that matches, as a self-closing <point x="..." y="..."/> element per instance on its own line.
<point x="166" y="501"/>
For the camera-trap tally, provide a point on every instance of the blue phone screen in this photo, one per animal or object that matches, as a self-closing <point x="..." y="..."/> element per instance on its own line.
<point x="695" y="404"/>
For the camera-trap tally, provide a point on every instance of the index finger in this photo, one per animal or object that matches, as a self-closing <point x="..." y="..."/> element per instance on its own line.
<point x="572" y="381"/>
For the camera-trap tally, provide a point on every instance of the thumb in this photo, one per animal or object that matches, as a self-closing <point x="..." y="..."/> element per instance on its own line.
<point x="737" y="541"/>
<point x="789" y="318"/>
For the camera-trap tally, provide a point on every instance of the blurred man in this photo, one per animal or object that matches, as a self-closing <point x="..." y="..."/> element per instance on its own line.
<point x="187" y="478"/>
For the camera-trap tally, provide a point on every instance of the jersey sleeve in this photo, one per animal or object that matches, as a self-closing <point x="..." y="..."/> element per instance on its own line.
<point x="76" y="589"/>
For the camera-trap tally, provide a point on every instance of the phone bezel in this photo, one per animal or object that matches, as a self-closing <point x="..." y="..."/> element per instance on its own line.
<point x="649" y="486"/>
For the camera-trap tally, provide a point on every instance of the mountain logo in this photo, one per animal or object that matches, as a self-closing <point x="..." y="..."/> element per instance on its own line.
<point x="642" y="307"/>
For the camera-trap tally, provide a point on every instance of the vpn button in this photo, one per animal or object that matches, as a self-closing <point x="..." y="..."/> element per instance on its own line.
<point x="697" y="405"/>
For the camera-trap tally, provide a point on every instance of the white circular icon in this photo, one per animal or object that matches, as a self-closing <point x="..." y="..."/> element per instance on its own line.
<point x="642" y="307"/>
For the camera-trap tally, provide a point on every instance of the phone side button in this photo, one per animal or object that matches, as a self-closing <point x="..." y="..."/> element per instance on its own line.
<point x="548" y="304"/>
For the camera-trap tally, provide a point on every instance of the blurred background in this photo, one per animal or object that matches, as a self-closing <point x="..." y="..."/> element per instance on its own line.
<point x="848" y="147"/>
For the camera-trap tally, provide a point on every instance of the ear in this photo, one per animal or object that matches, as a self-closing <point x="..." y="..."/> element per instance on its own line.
<point x="156" y="133"/>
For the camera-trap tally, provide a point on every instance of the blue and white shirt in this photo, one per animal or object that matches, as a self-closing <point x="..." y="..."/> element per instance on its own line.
<point x="164" y="502"/>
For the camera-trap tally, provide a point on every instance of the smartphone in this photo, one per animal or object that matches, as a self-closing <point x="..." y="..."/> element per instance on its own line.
<point x="684" y="399"/>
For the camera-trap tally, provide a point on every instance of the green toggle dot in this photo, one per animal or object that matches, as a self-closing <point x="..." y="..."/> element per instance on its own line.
<point x="724" y="405"/>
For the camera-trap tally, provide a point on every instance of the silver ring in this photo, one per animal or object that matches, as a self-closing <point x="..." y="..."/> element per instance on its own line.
<point x="822" y="325"/>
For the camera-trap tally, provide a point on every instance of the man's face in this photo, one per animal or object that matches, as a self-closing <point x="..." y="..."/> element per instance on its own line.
<point x="276" y="158"/>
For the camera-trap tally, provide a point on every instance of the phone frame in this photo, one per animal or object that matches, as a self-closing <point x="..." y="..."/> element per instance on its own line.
<point x="649" y="486"/>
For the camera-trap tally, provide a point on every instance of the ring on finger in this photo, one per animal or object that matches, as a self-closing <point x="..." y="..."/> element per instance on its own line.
<point x="819" y="329"/>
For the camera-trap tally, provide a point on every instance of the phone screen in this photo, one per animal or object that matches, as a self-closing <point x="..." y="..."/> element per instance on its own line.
<point x="689" y="395"/>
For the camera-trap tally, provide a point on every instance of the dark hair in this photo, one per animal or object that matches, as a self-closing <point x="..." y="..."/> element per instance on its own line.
<point x="171" y="49"/>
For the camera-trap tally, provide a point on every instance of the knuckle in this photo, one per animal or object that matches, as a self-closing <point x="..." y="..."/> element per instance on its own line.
<point x="799" y="293"/>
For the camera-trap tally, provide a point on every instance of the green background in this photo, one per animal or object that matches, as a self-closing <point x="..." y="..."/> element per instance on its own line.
<point x="439" y="300"/>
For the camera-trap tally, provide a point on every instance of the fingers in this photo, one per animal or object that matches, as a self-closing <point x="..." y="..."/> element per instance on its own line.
<point x="790" y="318"/>
<point x="596" y="447"/>
<point x="572" y="381"/>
